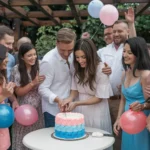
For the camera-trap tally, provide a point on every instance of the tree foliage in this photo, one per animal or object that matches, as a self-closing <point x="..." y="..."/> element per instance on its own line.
<point x="143" y="27"/>
<point x="47" y="35"/>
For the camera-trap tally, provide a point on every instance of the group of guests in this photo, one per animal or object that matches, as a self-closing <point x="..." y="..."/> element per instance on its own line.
<point x="74" y="76"/>
<point x="21" y="83"/>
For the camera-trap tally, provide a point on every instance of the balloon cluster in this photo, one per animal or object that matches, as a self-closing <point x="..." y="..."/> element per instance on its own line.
<point x="94" y="8"/>
<point x="108" y="14"/>
<point x="25" y="115"/>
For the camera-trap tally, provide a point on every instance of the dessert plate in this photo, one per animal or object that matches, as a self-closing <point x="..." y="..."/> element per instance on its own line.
<point x="75" y="139"/>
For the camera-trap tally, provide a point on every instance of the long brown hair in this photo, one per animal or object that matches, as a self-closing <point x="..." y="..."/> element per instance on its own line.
<point x="86" y="75"/>
<point x="3" y="51"/>
<point x="24" y="48"/>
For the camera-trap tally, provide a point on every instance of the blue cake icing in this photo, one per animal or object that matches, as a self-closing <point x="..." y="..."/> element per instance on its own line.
<point x="67" y="131"/>
<point x="70" y="135"/>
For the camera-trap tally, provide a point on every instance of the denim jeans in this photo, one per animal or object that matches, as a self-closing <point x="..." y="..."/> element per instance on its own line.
<point x="49" y="120"/>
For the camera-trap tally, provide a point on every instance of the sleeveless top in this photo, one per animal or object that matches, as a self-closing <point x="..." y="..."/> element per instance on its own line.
<point x="133" y="93"/>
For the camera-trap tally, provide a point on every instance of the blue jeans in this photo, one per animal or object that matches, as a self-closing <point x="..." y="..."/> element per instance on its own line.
<point x="49" y="120"/>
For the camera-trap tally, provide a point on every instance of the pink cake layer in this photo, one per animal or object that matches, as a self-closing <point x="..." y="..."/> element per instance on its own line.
<point x="69" y="121"/>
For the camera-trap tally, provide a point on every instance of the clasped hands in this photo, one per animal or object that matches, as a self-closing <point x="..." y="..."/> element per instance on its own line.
<point x="66" y="105"/>
<point x="7" y="90"/>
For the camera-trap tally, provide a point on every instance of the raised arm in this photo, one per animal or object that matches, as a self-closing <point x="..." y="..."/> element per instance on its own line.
<point x="130" y="18"/>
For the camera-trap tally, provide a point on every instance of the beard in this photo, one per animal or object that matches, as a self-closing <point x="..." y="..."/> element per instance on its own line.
<point x="120" y="41"/>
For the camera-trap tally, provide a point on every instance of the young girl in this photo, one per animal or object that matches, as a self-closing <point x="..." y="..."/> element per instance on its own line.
<point x="26" y="77"/>
<point x="136" y="62"/>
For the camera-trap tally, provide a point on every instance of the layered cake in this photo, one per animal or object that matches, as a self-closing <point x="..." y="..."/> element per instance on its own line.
<point x="69" y="125"/>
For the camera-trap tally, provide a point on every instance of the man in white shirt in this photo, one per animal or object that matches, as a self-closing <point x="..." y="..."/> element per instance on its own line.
<point x="56" y="68"/>
<point x="112" y="55"/>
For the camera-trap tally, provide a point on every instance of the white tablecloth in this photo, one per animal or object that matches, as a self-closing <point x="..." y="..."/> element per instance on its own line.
<point x="42" y="140"/>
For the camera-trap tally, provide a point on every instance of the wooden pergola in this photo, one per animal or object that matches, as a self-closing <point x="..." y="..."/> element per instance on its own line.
<point x="44" y="15"/>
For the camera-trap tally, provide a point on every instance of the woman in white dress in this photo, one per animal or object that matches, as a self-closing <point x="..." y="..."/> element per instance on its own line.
<point x="90" y="87"/>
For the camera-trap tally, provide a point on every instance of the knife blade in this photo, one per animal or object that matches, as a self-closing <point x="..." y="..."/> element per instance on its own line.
<point x="99" y="134"/>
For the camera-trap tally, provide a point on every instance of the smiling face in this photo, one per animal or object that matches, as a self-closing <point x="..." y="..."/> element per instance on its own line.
<point x="108" y="35"/>
<point x="129" y="57"/>
<point x="120" y="33"/>
<point x="30" y="57"/>
<point x="3" y="65"/>
<point x="80" y="58"/>
<point x="65" y="49"/>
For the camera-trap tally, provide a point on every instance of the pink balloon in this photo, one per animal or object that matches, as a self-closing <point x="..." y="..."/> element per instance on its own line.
<point x="133" y="122"/>
<point x="26" y="115"/>
<point x="108" y="15"/>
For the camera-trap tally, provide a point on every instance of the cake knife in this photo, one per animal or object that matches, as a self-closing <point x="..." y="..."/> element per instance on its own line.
<point x="98" y="134"/>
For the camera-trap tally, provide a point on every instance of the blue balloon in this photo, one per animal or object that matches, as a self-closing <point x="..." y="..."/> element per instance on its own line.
<point x="6" y="116"/>
<point x="94" y="8"/>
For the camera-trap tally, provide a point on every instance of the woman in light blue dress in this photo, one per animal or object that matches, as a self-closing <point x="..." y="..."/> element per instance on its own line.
<point x="136" y="62"/>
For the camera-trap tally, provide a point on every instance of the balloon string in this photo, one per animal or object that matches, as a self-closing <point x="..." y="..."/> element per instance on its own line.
<point x="146" y="101"/>
<point x="95" y="33"/>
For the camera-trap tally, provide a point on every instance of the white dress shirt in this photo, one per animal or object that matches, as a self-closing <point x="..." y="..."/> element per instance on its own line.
<point x="57" y="81"/>
<point x="113" y="58"/>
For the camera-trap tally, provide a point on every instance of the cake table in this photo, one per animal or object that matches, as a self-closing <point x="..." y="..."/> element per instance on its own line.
<point x="41" y="140"/>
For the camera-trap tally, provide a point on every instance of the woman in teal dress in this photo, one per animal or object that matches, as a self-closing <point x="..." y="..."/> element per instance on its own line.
<point x="136" y="62"/>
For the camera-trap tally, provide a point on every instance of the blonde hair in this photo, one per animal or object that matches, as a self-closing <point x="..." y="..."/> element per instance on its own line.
<point x="66" y="35"/>
<point x="22" y="41"/>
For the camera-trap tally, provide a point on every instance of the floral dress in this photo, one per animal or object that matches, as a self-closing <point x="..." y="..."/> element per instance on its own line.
<point x="31" y="98"/>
